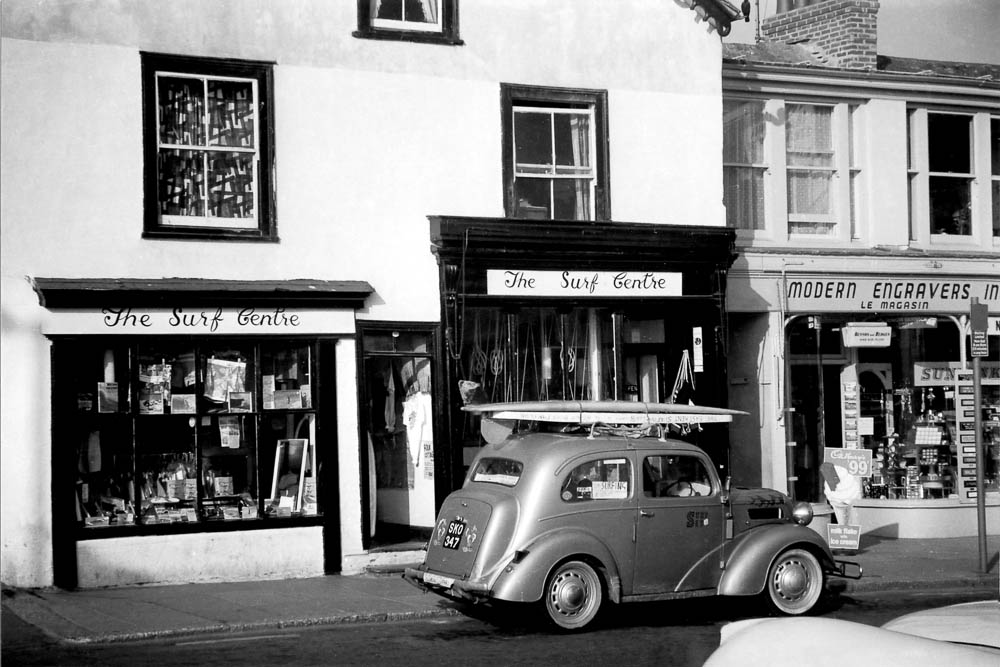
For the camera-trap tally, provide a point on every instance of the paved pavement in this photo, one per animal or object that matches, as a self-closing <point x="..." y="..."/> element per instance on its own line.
<point x="143" y="612"/>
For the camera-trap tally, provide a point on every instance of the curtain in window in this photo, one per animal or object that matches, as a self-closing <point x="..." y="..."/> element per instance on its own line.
<point x="580" y="131"/>
<point x="743" y="158"/>
<point x="809" y="151"/>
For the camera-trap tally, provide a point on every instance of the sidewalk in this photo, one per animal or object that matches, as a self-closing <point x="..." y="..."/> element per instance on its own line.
<point x="123" y="614"/>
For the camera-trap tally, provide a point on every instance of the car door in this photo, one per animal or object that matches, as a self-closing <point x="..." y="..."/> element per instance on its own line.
<point x="680" y="526"/>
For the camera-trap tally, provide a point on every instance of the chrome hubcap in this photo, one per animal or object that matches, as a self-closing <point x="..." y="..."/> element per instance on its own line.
<point x="791" y="580"/>
<point x="569" y="593"/>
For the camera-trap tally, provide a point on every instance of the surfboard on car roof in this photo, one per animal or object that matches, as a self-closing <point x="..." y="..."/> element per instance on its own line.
<point x="611" y="412"/>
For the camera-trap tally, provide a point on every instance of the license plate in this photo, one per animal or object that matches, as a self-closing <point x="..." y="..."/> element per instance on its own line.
<point x="453" y="537"/>
<point x="437" y="580"/>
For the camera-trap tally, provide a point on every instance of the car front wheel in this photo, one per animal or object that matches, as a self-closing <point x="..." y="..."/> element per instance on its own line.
<point x="794" y="582"/>
<point x="573" y="595"/>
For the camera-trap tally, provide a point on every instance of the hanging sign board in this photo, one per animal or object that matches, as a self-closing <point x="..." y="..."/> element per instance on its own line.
<point x="862" y="334"/>
<point x="978" y="322"/>
<point x="509" y="282"/>
<point x="857" y="462"/>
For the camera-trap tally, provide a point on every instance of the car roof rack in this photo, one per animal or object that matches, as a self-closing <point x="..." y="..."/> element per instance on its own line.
<point x="604" y="412"/>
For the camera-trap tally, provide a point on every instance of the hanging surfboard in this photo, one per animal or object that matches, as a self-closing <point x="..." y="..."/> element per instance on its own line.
<point x="606" y="412"/>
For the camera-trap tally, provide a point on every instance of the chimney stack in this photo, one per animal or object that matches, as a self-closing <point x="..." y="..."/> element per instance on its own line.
<point x="843" y="30"/>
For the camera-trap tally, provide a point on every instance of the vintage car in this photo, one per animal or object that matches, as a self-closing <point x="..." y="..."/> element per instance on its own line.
<point x="574" y="503"/>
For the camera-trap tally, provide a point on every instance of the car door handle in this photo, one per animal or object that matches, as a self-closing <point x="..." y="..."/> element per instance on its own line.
<point x="645" y="513"/>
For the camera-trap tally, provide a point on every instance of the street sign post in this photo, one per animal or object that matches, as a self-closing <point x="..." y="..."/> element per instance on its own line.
<point x="978" y="323"/>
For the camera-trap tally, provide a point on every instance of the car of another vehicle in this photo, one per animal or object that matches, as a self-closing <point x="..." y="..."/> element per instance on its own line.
<point x="572" y="505"/>
<point x="964" y="634"/>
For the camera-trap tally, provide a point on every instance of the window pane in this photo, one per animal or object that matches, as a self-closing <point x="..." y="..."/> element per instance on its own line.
<point x="532" y="198"/>
<point x="181" y="110"/>
<point x="231" y="191"/>
<point x="572" y="137"/>
<point x="743" y="132"/>
<point x="996" y="208"/>
<point x="606" y="479"/>
<point x="949" y="143"/>
<point x="571" y="199"/>
<point x="995" y="146"/>
<point x="951" y="205"/>
<point x="911" y="191"/>
<point x="809" y="135"/>
<point x="532" y="142"/>
<point x="413" y="11"/>
<point x="809" y="192"/>
<point x="744" y="197"/>
<point x="181" y="181"/>
<point x="231" y="114"/>
<point x="674" y="476"/>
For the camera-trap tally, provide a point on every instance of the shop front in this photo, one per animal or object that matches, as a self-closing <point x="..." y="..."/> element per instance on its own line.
<point x="882" y="366"/>
<point x="196" y="427"/>
<point x="580" y="311"/>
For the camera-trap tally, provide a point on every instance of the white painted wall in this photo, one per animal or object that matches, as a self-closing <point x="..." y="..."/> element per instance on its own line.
<point x="372" y="137"/>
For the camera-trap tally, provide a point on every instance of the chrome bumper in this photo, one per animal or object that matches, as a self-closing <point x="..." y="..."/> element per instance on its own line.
<point x="841" y="569"/>
<point x="462" y="590"/>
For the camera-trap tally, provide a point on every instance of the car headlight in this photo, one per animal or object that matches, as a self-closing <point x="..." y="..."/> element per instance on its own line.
<point x="802" y="513"/>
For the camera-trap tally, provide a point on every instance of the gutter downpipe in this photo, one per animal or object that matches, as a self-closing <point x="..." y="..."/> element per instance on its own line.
<point x="785" y="411"/>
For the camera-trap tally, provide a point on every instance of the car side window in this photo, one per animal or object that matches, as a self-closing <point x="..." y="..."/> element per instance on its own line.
<point x="674" y="475"/>
<point x="599" y="479"/>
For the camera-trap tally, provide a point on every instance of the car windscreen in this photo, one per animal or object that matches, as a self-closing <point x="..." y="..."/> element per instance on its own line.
<point x="498" y="471"/>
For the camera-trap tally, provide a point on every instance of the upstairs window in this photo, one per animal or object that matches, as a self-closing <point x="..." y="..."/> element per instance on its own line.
<point x="410" y="20"/>
<point x="791" y="169"/>
<point x="954" y="177"/>
<point x="555" y="154"/>
<point x="744" y="166"/>
<point x="208" y="148"/>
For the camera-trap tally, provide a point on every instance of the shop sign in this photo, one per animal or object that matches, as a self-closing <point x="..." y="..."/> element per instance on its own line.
<point x="508" y="282"/>
<point x="247" y="320"/>
<point x="843" y="536"/>
<point x="889" y="295"/>
<point x="857" y="462"/>
<point x="862" y="334"/>
<point x="950" y="373"/>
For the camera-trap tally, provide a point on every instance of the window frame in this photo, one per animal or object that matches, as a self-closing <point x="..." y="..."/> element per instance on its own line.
<point x="516" y="96"/>
<point x="847" y="217"/>
<point x="445" y="32"/>
<point x="979" y="178"/>
<point x="261" y="74"/>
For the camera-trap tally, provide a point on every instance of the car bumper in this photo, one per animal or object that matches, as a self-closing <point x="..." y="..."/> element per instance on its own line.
<point x="469" y="591"/>
<point x="846" y="569"/>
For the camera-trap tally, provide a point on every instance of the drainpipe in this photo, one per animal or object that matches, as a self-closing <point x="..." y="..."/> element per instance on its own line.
<point x="786" y="409"/>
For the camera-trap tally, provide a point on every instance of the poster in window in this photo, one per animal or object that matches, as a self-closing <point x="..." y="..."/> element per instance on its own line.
<point x="223" y="376"/>
<point x="229" y="432"/>
<point x="183" y="404"/>
<point x="107" y="397"/>
<point x="240" y="401"/>
<point x="151" y="400"/>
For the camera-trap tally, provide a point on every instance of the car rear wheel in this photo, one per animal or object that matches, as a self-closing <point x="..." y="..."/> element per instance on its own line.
<point x="573" y="595"/>
<point x="794" y="582"/>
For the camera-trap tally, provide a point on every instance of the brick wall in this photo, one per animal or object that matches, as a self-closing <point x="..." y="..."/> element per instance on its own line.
<point x="844" y="30"/>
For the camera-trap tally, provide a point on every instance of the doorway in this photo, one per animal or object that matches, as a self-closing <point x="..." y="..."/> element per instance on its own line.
<point x="398" y="424"/>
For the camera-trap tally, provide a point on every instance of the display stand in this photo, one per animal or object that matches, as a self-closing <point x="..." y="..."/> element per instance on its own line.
<point x="292" y="456"/>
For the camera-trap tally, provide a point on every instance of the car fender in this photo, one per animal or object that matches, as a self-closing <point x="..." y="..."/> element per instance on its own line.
<point x="749" y="560"/>
<point x="524" y="580"/>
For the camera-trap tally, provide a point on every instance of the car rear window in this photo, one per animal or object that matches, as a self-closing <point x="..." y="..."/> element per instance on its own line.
<point x="498" y="471"/>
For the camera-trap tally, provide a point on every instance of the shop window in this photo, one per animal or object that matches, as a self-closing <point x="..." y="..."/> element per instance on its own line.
<point x="600" y="479"/>
<point x="208" y="134"/>
<point x="409" y="20"/>
<point x="792" y="170"/>
<point x="953" y="187"/>
<point x="555" y="153"/>
<point x="186" y="434"/>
